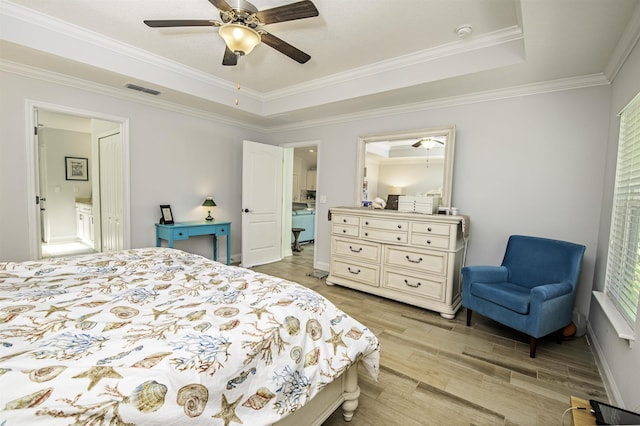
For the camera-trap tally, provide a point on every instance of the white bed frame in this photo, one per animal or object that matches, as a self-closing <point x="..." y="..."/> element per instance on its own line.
<point x="343" y="391"/>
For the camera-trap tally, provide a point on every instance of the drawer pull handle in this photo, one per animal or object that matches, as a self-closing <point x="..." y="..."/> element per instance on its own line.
<point x="366" y="234"/>
<point x="344" y="220"/>
<point x="366" y="223"/>
<point x="355" y="251"/>
<point x="429" y="229"/>
<point x="428" y="241"/>
<point x="398" y="238"/>
<point x="399" y="226"/>
<point x="414" y="261"/>
<point x="344" y="231"/>
<point x="179" y="233"/>
<point x="416" y="285"/>
<point x="353" y="272"/>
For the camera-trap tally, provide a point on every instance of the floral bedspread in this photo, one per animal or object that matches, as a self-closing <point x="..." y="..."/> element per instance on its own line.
<point x="160" y="336"/>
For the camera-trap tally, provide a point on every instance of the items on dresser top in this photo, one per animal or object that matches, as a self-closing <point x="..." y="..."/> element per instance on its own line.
<point x="183" y="230"/>
<point x="411" y="258"/>
<point x="418" y="204"/>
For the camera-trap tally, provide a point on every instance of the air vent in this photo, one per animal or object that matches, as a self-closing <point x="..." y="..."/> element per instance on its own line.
<point x="142" y="89"/>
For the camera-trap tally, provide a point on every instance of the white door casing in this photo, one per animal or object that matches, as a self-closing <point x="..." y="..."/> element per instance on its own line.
<point x="262" y="167"/>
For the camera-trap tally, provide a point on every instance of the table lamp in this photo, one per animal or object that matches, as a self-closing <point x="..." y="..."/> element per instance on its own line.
<point x="208" y="202"/>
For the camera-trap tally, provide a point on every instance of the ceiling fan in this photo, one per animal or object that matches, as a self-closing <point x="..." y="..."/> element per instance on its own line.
<point x="241" y="27"/>
<point x="429" y="142"/>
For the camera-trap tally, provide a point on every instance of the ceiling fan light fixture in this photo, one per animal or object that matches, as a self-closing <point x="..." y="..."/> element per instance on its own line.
<point x="239" y="39"/>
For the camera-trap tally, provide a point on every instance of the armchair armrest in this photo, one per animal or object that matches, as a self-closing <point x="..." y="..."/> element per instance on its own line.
<point x="549" y="291"/>
<point x="485" y="274"/>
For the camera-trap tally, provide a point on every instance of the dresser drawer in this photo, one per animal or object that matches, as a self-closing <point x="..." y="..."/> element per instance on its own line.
<point x="387" y="224"/>
<point x="424" y="240"/>
<point x="385" y="236"/>
<point x="347" y="230"/>
<point x="365" y="274"/>
<point x="434" y="262"/>
<point x="357" y="249"/>
<point x="345" y="220"/>
<point x="431" y="228"/>
<point x="428" y="286"/>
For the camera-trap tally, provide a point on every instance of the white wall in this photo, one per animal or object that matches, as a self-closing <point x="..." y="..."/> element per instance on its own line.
<point x="174" y="159"/>
<point x="621" y="362"/>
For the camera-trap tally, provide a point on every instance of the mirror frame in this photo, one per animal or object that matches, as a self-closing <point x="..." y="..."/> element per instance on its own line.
<point x="447" y="178"/>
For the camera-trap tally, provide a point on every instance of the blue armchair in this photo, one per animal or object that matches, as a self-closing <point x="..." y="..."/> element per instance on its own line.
<point x="532" y="291"/>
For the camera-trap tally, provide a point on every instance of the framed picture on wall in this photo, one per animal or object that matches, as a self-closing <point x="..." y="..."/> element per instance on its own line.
<point x="76" y="168"/>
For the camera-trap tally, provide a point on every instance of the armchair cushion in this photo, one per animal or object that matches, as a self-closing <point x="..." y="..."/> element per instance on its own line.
<point x="511" y="296"/>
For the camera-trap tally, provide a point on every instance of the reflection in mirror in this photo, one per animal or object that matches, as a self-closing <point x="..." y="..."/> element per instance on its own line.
<point x="417" y="163"/>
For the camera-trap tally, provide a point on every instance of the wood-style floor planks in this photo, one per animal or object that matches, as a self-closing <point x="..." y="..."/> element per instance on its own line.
<point x="435" y="371"/>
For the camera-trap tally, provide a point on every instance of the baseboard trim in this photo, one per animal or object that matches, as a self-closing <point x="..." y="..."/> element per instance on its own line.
<point x="603" y="367"/>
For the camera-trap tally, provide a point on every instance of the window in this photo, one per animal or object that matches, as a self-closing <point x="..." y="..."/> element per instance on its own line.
<point x="622" y="282"/>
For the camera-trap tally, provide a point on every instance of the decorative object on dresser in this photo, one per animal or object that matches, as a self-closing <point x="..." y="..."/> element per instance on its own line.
<point x="208" y="202"/>
<point x="534" y="289"/>
<point x="408" y="257"/>
<point x="183" y="230"/>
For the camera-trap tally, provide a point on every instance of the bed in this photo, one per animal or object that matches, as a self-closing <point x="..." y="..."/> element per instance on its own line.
<point x="160" y="336"/>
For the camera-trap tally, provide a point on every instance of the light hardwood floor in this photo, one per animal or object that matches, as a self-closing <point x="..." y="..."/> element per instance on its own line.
<point x="435" y="371"/>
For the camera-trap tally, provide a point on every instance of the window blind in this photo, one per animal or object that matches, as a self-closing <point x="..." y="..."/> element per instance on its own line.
<point x="622" y="282"/>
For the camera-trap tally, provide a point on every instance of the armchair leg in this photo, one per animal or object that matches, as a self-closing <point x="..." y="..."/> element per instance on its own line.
<point x="469" y="312"/>
<point x="559" y="336"/>
<point x="532" y="347"/>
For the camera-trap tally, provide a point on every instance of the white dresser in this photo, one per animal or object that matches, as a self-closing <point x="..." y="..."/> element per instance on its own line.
<point x="408" y="257"/>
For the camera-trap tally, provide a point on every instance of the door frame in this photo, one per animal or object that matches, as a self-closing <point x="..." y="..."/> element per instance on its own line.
<point x="287" y="210"/>
<point x="33" y="186"/>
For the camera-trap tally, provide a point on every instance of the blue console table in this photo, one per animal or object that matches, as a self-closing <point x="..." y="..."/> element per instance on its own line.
<point x="183" y="230"/>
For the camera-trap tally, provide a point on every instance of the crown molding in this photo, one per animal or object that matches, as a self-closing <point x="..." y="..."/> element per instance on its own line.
<point x="51" y="23"/>
<point x="478" y="97"/>
<point x="485" y="96"/>
<point x="625" y="45"/>
<point x="77" y="83"/>
<point x="492" y="39"/>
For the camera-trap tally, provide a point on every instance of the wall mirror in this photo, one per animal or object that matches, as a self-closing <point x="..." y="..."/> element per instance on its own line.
<point x="416" y="162"/>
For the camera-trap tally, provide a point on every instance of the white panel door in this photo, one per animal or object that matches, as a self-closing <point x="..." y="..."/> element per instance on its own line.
<point x="111" y="192"/>
<point x="261" y="203"/>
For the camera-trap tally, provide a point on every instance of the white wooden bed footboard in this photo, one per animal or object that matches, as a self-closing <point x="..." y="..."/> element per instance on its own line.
<point x="343" y="391"/>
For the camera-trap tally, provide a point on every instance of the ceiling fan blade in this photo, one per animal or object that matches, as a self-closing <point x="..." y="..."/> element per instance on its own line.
<point x="181" y="23"/>
<point x="284" y="47"/>
<point x="229" y="58"/>
<point x="289" y="12"/>
<point x="221" y="4"/>
<point x="417" y="144"/>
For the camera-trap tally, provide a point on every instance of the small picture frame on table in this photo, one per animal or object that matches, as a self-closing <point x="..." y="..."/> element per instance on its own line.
<point x="167" y="216"/>
<point x="76" y="168"/>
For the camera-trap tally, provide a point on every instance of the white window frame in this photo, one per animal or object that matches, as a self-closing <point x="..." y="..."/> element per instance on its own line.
<point x="621" y="297"/>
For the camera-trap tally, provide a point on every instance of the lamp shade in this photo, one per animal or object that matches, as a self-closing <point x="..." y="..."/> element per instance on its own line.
<point x="395" y="190"/>
<point x="208" y="202"/>
<point x="240" y="39"/>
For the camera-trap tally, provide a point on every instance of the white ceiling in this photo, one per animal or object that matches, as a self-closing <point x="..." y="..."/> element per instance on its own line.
<point x="365" y="54"/>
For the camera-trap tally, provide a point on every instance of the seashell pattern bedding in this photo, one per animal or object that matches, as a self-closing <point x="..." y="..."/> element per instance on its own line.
<point x="160" y="336"/>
